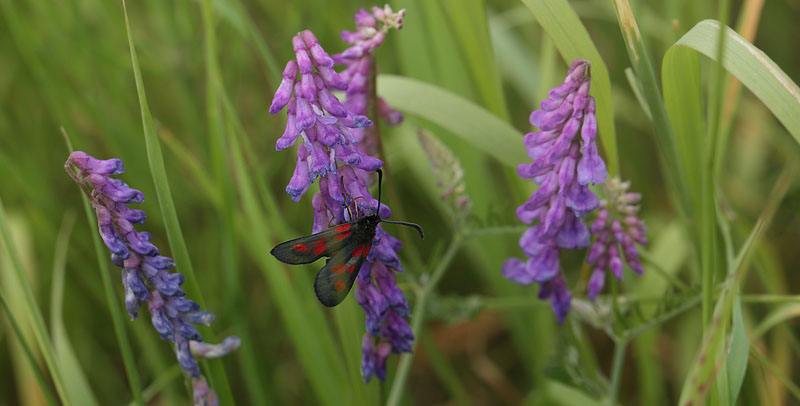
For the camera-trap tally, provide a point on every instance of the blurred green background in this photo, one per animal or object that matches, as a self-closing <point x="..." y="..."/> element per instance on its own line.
<point x="485" y="341"/>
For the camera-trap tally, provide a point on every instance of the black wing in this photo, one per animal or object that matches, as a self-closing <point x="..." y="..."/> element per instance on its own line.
<point x="305" y="250"/>
<point x="336" y="278"/>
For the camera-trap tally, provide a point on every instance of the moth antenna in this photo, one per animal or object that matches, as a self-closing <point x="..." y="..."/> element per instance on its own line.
<point x="380" y="181"/>
<point x="412" y="225"/>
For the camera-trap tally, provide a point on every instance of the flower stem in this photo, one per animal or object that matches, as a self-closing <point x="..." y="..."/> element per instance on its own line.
<point x="616" y="369"/>
<point x="404" y="366"/>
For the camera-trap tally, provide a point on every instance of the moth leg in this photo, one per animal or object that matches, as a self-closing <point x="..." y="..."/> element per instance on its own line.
<point x="345" y="195"/>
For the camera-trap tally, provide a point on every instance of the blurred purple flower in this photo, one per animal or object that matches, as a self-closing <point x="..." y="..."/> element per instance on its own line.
<point x="145" y="273"/>
<point x="563" y="166"/>
<point x="617" y="228"/>
<point x="337" y="143"/>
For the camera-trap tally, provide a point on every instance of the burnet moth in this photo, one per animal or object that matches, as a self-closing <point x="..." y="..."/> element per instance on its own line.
<point x="346" y="245"/>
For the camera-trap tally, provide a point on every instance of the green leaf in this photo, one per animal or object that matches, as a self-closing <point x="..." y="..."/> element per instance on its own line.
<point x="463" y="118"/>
<point x="748" y="64"/>
<point x="180" y="253"/>
<point x="572" y="40"/>
<point x="736" y="363"/>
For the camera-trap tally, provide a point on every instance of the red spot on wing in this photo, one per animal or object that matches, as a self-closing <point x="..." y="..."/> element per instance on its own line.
<point x="319" y="249"/>
<point x="341" y="236"/>
<point x="339" y="285"/>
<point x="320" y="241"/>
<point x="300" y="247"/>
<point x="366" y="250"/>
<point x="358" y="250"/>
<point x="338" y="268"/>
<point x="351" y="269"/>
<point x="343" y="227"/>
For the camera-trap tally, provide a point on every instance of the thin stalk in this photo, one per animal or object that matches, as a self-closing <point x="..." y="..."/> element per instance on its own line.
<point x="404" y="366"/>
<point x="125" y="349"/>
<point x="709" y="243"/>
<point x="616" y="369"/>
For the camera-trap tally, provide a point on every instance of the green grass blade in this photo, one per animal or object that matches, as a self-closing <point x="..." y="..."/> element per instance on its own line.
<point x="748" y="64"/>
<point x="665" y="139"/>
<point x="468" y="19"/>
<point x="114" y="305"/>
<point x="225" y="212"/>
<point x="736" y="362"/>
<point x="37" y="371"/>
<point x="32" y="309"/>
<point x="711" y="357"/>
<point x="463" y="118"/>
<point x="572" y="40"/>
<point x="75" y="380"/>
<point x="217" y="377"/>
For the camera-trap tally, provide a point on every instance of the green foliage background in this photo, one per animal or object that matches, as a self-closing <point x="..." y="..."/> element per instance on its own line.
<point x="721" y="263"/>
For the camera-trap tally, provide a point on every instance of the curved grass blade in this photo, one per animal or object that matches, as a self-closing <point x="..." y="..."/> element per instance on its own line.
<point x="748" y="64"/>
<point x="463" y="118"/>
<point x="219" y="380"/>
<point x="572" y="40"/>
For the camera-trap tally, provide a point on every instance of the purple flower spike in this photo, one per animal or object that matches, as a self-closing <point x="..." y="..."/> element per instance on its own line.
<point x="338" y="147"/>
<point x="145" y="273"/>
<point x="565" y="161"/>
<point x="618" y="229"/>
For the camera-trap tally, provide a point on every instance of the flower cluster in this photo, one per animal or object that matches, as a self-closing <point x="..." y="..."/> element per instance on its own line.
<point x="616" y="226"/>
<point x="359" y="62"/>
<point x="334" y="144"/>
<point x="317" y="116"/>
<point x="145" y="273"/>
<point x="564" y="164"/>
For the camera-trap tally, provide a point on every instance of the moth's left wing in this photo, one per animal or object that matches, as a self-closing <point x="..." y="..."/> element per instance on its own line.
<point x="305" y="250"/>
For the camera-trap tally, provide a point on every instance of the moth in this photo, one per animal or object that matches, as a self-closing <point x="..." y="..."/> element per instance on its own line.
<point x="346" y="245"/>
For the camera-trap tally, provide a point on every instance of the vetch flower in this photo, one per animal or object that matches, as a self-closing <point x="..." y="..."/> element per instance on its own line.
<point x="316" y="116"/>
<point x="618" y="230"/>
<point x="565" y="162"/>
<point x="360" y="68"/>
<point x="337" y="149"/>
<point x="145" y="273"/>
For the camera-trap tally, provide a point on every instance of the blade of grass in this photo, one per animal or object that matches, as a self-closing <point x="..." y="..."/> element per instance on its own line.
<point x="572" y="40"/>
<point x="219" y="152"/>
<point x="711" y="356"/>
<point x="37" y="321"/>
<point x="748" y="64"/>
<point x="216" y="371"/>
<point x="75" y="380"/>
<point x="671" y="163"/>
<point x="474" y="124"/>
<point x="44" y="385"/>
<point x="113" y="304"/>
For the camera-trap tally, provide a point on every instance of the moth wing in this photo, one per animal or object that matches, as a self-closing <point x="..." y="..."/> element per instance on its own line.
<point x="305" y="250"/>
<point x="336" y="278"/>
